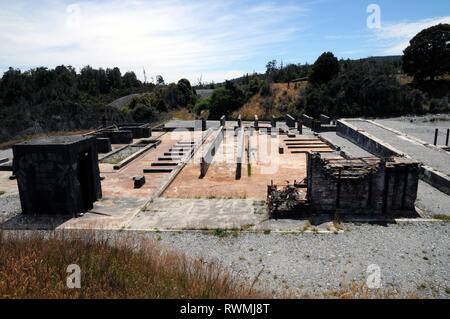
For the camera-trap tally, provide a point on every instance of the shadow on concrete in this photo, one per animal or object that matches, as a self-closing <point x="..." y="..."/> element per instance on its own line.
<point x="35" y="222"/>
<point x="318" y="219"/>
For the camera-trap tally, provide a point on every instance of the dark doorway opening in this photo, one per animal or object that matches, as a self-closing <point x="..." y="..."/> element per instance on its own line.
<point x="84" y="175"/>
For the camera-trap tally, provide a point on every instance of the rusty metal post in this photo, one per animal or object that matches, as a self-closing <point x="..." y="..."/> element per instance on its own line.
<point x="436" y="132"/>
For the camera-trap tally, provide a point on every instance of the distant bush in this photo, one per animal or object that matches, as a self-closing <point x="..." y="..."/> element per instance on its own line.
<point x="362" y="88"/>
<point x="225" y="100"/>
<point x="202" y="104"/>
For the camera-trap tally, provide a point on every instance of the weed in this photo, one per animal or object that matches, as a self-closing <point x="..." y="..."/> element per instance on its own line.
<point x="442" y="217"/>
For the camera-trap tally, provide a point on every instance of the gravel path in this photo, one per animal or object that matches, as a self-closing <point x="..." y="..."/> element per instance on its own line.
<point x="428" y="156"/>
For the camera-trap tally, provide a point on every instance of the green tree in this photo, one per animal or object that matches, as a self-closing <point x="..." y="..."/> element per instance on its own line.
<point x="129" y="80"/>
<point x="114" y="78"/>
<point x="428" y="53"/>
<point x="325" y="68"/>
<point x="225" y="100"/>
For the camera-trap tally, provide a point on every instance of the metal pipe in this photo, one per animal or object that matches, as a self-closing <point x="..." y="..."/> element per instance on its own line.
<point x="436" y="132"/>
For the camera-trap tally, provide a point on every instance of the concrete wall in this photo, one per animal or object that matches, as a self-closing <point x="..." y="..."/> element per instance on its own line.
<point x="364" y="140"/>
<point x="290" y="121"/>
<point x="210" y="151"/>
<point x="375" y="189"/>
<point x="324" y="119"/>
<point x="103" y="144"/>
<point x="240" y="153"/>
<point x="51" y="177"/>
<point x="273" y="122"/>
<point x="307" y="120"/>
<point x="382" y="149"/>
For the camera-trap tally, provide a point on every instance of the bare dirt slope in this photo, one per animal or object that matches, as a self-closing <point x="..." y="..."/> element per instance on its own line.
<point x="282" y="95"/>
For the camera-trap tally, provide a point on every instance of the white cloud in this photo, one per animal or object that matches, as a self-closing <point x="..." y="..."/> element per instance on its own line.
<point x="172" y="38"/>
<point x="393" y="38"/>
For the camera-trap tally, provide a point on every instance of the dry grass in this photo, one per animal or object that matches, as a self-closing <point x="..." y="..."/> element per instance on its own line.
<point x="406" y="79"/>
<point x="9" y="144"/>
<point x="442" y="217"/>
<point x="264" y="107"/>
<point x="35" y="267"/>
<point x="182" y="114"/>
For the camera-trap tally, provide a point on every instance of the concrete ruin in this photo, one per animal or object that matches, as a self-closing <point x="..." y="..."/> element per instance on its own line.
<point x="234" y="159"/>
<point x="57" y="175"/>
<point x="361" y="186"/>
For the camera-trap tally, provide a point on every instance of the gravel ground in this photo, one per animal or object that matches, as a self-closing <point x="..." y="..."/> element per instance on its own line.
<point x="421" y="127"/>
<point x="410" y="256"/>
<point x="9" y="206"/>
<point x="428" y="156"/>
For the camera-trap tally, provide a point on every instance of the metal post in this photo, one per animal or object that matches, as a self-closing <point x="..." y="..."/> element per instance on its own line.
<point x="436" y="132"/>
<point x="446" y="139"/>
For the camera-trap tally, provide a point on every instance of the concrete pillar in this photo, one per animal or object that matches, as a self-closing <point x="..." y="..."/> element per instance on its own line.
<point x="256" y="122"/>
<point x="446" y="139"/>
<point x="272" y="121"/>
<point x="299" y="127"/>
<point x="239" y="120"/>
<point x="203" y="124"/>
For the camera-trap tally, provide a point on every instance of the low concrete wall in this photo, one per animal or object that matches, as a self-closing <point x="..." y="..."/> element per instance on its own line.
<point x="365" y="140"/>
<point x="307" y="120"/>
<point x="273" y="122"/>
<point x="324" y="119"/>
<point x="136" y="155"/>
<point x="240" y="153"/>
<point x="327" y="128"/>
<point x="103" y="145"/>
<point x="381" y="149"/>
<point x="290" y="121"/>
<point x="210" y="151"/>
<point x="435" y="179"/>
<point x="119" y="137"/>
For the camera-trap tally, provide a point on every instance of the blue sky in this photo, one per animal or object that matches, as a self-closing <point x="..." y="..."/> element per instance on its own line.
<point x="211" y="40"/>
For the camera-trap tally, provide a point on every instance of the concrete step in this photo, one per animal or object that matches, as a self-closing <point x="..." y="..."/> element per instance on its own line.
<point x="173" y="153"/>
<point x="169" y="158"/>
<point x="308" y="146"/>
<point x="157" y="170"/>
<point x="179" y="149"/>
<point x="164" y="164"/>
